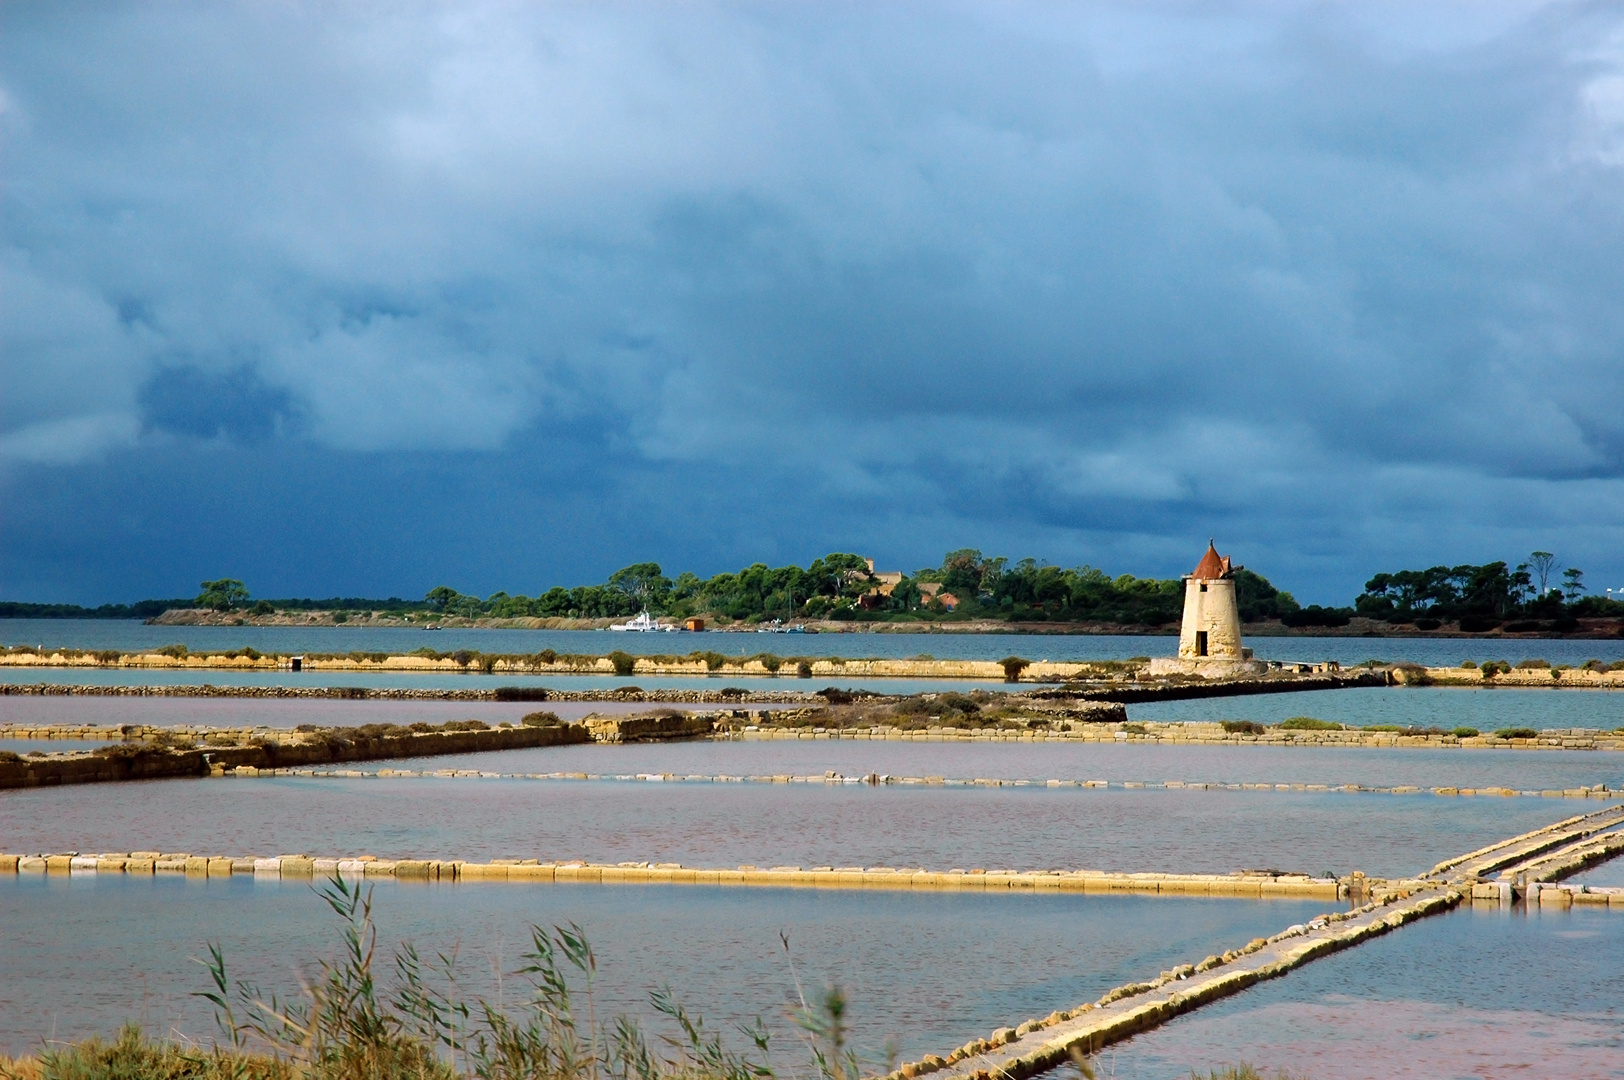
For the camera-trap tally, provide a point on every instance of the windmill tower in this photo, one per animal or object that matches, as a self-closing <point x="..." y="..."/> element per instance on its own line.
<point x="1212" y="618"/>
<point x="1210" y="636"/>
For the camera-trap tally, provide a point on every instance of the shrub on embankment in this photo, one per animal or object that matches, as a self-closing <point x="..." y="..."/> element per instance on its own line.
<point x="1309" y="723"/>
<point x="978" y="710"/>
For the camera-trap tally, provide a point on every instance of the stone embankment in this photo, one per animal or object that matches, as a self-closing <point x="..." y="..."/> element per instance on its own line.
<point x="141" y="760"/>
<point x="1039" y="1045"/>
<point x="1185" y="688"/>
<point x="672" y="725"/>
<point x="767" y="725"/>
<point x="1560" y="677"/>
<point x="1203" y="733"/>
<point x="1245" y="886"/>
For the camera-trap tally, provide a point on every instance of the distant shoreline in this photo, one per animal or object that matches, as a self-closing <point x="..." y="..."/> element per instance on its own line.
<point x="1588" y="629"/>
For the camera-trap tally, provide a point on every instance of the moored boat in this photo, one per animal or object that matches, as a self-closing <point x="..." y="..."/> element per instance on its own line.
<point x="643" y="622"/>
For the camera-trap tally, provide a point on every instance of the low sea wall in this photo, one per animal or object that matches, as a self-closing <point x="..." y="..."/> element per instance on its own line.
<point x="619" y="729"/>
<point x="1176" y="689"/>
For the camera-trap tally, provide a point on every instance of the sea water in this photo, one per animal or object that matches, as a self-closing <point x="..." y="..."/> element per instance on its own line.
<point x="925" y="971"/>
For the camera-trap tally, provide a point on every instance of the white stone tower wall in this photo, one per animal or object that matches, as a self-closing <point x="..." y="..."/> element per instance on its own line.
<point x="1210" y="606"/>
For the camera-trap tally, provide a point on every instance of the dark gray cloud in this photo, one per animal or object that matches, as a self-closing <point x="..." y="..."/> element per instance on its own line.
<point x="1088" y="281"/>
<point x="235" y="404"/>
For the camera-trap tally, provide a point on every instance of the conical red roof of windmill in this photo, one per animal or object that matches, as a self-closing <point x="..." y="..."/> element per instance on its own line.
<point x="1212" y="565"/>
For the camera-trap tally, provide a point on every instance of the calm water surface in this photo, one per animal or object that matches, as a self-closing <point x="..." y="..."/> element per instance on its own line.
<point x="285" y="712"/>
<point x="471" y="681"/>
<point x="771" y="824"/>
<point x="1519" y="770"/>
<point x="130" y="635"/>
<point x="83" y="954"/>
<point x="1220" y="764"/>
<point x="1608" y="873"/>
<point x="1476" y="994"/>
<point x="1448" y="708"/>
<point x="1429" y="706"/>
<point x="51" y="746"/>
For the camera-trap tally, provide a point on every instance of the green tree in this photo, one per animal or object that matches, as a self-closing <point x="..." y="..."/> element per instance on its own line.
<point x="643" y="584"/>
<point x="1541" y="563"/>
<point x="1572" y="583"/>
<point x="1259" y="600"/>
<point x="441" y="597"/>
<point x="222" y="595"/>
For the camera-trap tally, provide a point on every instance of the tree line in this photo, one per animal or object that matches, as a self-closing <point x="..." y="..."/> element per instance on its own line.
<point x="1536" y="593"/>
<point x="840" y="586"/>
<point x="1483" y="597"/>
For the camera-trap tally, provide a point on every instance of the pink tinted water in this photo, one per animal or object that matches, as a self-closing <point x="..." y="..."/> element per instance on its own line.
<point x="1475" y="994"/>
<point x="770" y="824"/>
<point x="1073" y="761"/>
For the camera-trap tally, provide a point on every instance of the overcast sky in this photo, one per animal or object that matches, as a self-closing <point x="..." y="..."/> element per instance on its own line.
<point x="363" y="299"/>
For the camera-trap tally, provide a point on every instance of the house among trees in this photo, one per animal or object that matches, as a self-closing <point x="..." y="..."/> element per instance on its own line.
<point x="885" y="583"/>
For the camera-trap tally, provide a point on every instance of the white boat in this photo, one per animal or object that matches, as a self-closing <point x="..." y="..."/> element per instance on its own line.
<point x="777" y="627"/>
<point x="644" y="623"/>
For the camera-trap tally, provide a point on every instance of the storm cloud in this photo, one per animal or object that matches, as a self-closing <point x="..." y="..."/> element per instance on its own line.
<point x="367" y="298"/>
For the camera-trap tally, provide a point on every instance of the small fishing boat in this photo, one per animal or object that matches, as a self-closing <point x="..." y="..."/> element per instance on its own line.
<point x="644" y="623"/>
<point x="777" y="627"/>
